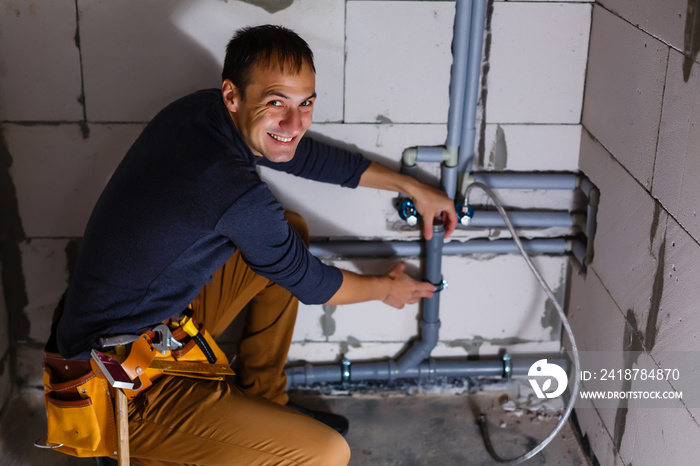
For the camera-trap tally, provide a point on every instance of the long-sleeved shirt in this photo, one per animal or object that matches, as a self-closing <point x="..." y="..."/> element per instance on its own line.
<point x="185" y="197"/>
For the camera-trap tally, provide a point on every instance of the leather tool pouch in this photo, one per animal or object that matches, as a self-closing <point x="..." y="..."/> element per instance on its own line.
<point x="79" y="400"/>
<point x="79" y="407"/>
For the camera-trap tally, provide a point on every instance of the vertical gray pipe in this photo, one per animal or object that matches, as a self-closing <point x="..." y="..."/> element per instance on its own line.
<point x="430" y="323"/>
<point x="458" y="76"/>
<point x="478" y="20"/>
<point x="449" y="180"/>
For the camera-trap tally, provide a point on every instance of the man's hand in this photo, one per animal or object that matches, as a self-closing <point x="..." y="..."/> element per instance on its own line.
<point x="403" y="290"/>
<point x="430" y="203"/>
<point x="395" y="288"/>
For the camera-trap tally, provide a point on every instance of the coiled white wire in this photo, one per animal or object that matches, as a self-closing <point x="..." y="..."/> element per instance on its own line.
<point x="560" y="311"/>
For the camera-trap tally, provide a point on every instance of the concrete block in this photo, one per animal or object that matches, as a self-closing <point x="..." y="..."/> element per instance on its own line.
<point x="662" y="19"/>
<point x="370" y="321"/>
<point x="596" y="433"/>
<point x="532" y="147"/>
<point x="333" y="211"/>
<point x="598" y="324"/>
<point x="313" y="351"/>
<point x="376" y="321"/>
<point x="162" y="51"/>
<point x="39" y="62"/>
<point x="537" y="62"/>
<point x="660" y="436"/>
<point x="675" y="133"/>
<point x="368" y="351"/>
<point x="624" y="90"/>
<point x="70" y="169"/>
<point x="398" y="61"/>
<point x="676" y="323"/>
<point x="631" y="227"/>
<point x="497" y="299"/>
<point x="677" y="168"/>
<point x="45" y="267"/>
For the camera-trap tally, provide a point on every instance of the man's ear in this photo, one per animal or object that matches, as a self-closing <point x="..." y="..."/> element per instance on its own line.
<point x="231" y="95"/>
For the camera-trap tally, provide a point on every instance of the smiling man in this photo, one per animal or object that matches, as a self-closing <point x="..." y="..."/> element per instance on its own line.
<point x="186" y="224"/>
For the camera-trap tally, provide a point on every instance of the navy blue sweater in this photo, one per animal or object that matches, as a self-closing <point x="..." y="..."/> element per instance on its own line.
<point x="184" y="198"/>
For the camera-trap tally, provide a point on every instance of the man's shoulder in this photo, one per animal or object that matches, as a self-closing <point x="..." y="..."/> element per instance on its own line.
<point x="202" y="98"/>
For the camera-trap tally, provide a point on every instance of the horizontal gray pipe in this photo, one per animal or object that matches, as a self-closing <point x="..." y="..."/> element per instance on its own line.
<point x="522" y="219"/>
<point x="430" y="154"/>
<point x="527" y="180"/>
<point x="428" y="369"/>
<point x="360" y="248"/>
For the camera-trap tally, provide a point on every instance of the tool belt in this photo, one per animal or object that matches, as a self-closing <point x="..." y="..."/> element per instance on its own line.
<point x="79" y="395"/>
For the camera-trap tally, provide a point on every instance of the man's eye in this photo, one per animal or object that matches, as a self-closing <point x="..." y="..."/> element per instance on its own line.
<point x="276" y="103"/>
<point x="307" y="103"/>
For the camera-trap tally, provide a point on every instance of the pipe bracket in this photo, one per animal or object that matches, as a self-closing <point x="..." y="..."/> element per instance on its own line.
<point x="507" y="366"/>
<point x="440" y="286"/>
<point x="345" y="371"/>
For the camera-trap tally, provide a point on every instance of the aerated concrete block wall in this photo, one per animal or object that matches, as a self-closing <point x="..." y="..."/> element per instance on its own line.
<point x="81" y="78"/>
<point x="640" y="147"/>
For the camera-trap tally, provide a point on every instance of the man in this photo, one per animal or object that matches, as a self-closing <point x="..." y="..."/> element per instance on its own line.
<point x="185" y="221"/>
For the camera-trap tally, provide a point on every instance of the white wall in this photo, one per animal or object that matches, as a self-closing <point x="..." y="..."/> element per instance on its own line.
<point x="640" y="147"/>
<point x="78" y="87"/>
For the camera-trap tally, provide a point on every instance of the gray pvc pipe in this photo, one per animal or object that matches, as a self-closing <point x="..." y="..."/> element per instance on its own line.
<point x="580" y="251"/>
<point x="476" y="40"/>
<point x="430" y="323"/>
<point x="430" y="154"/>
<point x="523" y="219"/>
<point x="416" y="248"/>
<point x="430" y="368"/>
<point x="458" y="73"/>
<point x="449" y="180"/>
<point x="527" y="180"/>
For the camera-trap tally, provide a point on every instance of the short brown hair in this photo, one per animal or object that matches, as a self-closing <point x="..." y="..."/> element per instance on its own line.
<point x="266" y="45"/>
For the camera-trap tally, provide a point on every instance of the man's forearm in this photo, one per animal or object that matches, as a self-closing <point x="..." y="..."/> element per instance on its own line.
<point x="360" y="288"/>
<point x="429" y="202"/>
<point x="380" y="177"/>
<point x="395" y="288"/>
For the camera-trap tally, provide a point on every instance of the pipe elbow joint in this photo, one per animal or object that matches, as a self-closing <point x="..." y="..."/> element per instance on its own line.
<point x="409" y="157"/>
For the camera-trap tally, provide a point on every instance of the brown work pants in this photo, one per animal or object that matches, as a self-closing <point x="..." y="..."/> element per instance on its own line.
<point x="190" y="421"/>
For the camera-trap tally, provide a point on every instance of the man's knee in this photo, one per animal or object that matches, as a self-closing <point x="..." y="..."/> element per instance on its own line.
<point x="299" y="224"/>
<point x="336" y="451"/>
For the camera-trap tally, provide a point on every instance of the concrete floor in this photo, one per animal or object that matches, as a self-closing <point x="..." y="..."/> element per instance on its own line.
<point x="387" y="427"/>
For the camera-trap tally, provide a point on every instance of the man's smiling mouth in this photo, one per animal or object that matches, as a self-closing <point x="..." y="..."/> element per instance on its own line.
<point x="279" y="138"/>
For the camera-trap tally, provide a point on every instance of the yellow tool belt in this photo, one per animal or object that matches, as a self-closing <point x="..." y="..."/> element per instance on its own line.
<point x="79" y="398"/>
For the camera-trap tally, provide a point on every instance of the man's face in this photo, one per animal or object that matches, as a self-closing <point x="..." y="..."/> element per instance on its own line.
<point x="276" y="111"/>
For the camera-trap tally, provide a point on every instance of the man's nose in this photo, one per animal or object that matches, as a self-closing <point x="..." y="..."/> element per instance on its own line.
<point x="292" y="122"/>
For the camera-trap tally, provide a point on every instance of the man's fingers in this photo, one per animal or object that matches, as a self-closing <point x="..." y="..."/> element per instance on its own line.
<point x="450" y="221"/>
<point x="425" y="286"/>
<point x="428" y="227"/>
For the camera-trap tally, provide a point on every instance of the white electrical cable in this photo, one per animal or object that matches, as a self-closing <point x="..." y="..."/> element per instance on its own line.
<point x="560" y="311"/>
